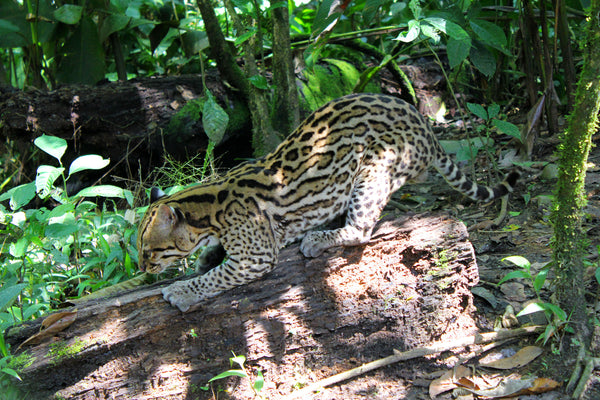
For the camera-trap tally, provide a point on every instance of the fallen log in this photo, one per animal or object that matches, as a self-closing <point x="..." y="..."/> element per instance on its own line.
<point x="307" y="319"/>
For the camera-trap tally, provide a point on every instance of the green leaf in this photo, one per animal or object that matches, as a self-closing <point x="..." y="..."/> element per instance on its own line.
<point x="519" y="261"/>
<point x="515" y="275"/>
<point x="52" y="145"/>
<point x="245" y="36"/>
<point x="7" y="27"/>
<point x="19" y="195"/>
<point x="483" y="59"/>
<point x="555" y="310"/>
<point x="457" y="51"/>
<point x="84" y="59"/>
<point x="489" y="33"/>
<point x="539" y="280"/>
<point x="239" y="360"/>
<point x="45" y="178"/>
<point x="508" y="128"/>
<point x="9" y="294"/>
<point x="259" y="382"/>
<point x="226" y="374"/>
<point x="214" y="119"/>
<point x="111" y="24"/>
<point x="11" y="372"/>
<point x="60" y="230"/>
<point x="493" y="110"/>
<point x="449" y="28"/>
<point x="478" y="110"/>
<point x="414" y="29"/>
<point x="102" y="191"/>
<point x="90" y="161"/>
<point x="259" y="81"/>
<point x="19" y="248"/>
<point x="69" y="14"/>
<point x="194" y="42"/>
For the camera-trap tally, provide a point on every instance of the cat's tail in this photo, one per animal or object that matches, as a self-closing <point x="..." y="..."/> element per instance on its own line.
<point x="459" y="181"/>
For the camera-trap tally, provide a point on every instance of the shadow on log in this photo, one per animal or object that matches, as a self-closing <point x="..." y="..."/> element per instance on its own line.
<point x="307" y="319"/>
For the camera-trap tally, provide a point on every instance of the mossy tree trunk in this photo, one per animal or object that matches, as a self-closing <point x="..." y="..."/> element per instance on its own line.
<point x="569" y="241"/>
<point x="285" y="107"/>
<point x="267" y="131"/>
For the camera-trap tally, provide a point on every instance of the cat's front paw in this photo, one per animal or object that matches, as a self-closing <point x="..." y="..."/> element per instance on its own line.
<point x="311" y="245"/>
<point x="180" y="294"/>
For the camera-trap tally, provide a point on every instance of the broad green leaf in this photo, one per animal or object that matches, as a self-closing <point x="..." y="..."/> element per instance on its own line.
<point x="259" y="81"/>
<point x="414" y="29"/>
<point x="507" y="128"/>
<point x="415" y="8"/>
<point x="457" y="51"/>
<point x="9" y="294"/>
<point x="84" y="59"/>
<point x="478" y="110"/>
<point x="111" y="24"/>
<point x="597" y="274"/>
<point x="69" y="14"/>
<point x="555" y="310"/>
<point x="448" y="27"/>
<point x="489" y="33"/>
<point x="60" y="230"/>
<point x="19" y="248"/>
<point x="493" y="110"/>
<point x="19" y="196"/>
<point x="370" y="10"/>
<point x="515" y="275"/>
<point x="519" y="261"/>
<point x="90" y="161"/>
<point x="7" y="27"/>
<point x="214" y="119"/>
<point x="483" y="59"/>
<point x="45" y="178"/>
<point x="194" y="42"/>
<point x="52" y="145"/>
<point x="13" y="16"/>
<point x="226" y="374"/>
<point x="430" y="32"/>
<point x="102" y="191"/>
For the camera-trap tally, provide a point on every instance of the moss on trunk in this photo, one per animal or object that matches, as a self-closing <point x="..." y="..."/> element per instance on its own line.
<point x="569" y="241"/>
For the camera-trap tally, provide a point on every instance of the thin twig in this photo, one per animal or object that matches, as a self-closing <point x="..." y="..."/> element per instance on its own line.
<point x="480" y="338"/>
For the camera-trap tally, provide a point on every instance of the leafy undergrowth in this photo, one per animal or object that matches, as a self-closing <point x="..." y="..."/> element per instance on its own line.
<point x="63" y="249"/>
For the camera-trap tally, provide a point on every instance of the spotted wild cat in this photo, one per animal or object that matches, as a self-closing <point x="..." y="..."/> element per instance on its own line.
<point x="348" y="157"/>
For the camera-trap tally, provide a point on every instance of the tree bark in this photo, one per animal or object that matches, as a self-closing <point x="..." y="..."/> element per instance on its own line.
<point x="408" y="287"/>
<point x="125" y="121"/>
<point x="569" y="244"/>
<point x="286" y="112"/>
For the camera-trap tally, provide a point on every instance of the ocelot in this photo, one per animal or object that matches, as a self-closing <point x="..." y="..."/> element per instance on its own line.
<point x="348" y="157"/>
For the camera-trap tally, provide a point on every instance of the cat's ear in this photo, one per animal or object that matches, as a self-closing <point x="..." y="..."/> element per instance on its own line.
<point x="155" y="194"/>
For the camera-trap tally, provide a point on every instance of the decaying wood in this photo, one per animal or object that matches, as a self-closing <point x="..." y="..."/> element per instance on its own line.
<point x="308" y="319"/>
<point x="116" y="120"/>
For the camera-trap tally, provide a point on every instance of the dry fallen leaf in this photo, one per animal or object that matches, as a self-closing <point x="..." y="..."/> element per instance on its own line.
<point x="448" y="380"/>
<point x="521" y="358"/>
<point x="51" y="326"/>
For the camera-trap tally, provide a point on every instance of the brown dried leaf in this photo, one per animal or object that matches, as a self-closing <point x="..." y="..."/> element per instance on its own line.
<point x="447" y="382"/>
<point x="51" y="325"/>
<point x="521" y="358"/>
